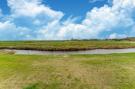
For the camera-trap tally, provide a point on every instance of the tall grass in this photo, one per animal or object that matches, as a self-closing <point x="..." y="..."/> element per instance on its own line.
<point x="73" y="45"/>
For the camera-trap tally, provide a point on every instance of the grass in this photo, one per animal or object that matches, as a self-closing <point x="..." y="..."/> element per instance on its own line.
<point x="113" y="71"/>
<point x="73" y="45"/>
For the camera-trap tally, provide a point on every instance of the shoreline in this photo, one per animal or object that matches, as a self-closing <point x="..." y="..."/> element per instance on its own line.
<point x="95" y="51"/>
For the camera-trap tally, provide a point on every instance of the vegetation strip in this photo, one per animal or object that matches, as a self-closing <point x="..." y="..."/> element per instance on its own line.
<point x="73" y="45"/>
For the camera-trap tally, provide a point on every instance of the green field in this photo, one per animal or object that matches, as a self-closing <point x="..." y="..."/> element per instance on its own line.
<point x="113" y="71"/>
<point x="67" y="45"/>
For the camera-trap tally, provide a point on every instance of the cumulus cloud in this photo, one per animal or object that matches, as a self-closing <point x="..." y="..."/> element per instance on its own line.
<point x="9" y="31"/>
<point x="102" y="22"/>
<point x="115" y="36"/>
<point x="32" y="9"/>
<point x="30" y="19"/>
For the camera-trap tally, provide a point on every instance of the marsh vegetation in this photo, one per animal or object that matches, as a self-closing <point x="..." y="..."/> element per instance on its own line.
<point x="73" y="45"/>
<point x="114" y="71"/>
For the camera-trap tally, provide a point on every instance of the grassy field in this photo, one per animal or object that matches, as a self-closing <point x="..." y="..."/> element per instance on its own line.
<point x="113" y="71"/>
<point x="67" y="45"/>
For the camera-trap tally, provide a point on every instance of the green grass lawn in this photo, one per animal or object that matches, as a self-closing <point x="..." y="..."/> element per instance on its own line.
<point x="67" y="45"/>
<point x="113" y="71"/>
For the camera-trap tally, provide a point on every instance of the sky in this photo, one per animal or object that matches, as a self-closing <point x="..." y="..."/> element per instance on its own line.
<point x="66" y="19"/>
<point x="69" y="7"/>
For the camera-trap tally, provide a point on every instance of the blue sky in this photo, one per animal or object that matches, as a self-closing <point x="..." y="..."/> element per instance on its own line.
<point x="74" y="8"/>
<point x="66" y="19"/>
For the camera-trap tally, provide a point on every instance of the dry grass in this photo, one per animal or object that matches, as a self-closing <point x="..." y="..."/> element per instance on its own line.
<point x="115" y="71"/>
<point x="6" y="52"/>
<point x="66" y="45"/>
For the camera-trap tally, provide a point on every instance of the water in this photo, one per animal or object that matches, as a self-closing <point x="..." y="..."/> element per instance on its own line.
<point x="96" y="51"/>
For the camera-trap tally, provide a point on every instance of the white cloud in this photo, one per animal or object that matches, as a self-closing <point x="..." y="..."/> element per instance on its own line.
<point x="115" y="35"/>
<point x="32" y="16"/>
<point x="9" y="31"/>
<point x="32" y="8"/>
<point x="108" y="19"/>
<point x="115" y="19"/>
